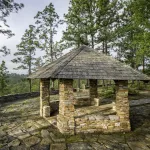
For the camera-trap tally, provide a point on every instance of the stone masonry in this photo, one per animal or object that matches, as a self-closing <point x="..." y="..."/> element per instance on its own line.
<point x="93" y="90"/>
<point x="122" y="104"/>
<point x="44" y="97"/>
<point x="105" y="118"/>
<point x="65" y="119"/>
<point x="95" y="118"/>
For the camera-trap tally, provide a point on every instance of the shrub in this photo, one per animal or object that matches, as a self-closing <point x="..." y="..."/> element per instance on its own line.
<point x="133" y="91"/>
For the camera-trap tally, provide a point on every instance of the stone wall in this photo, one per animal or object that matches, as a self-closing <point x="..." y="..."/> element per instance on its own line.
<point x="106" y="118"/>
<point x="12" y="98"/>
<point x="98" y="123"/>
<point x="65" y="119"/>
<point x="122" y="104"/>
<point x="83" y="101"/>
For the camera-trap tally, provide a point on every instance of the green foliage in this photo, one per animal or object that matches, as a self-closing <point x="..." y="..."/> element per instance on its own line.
<point x="35" y="85"/>
<point x="133" y="36"/>
<point x="137" y="85"/>
<point x="92" y="22"/>
<point x="106" y="92"/>
<point x="81" y="23"/>
<point x="3" y="79"/>
<point x="5" y="51"/>
<point x="19" y="84"/>
<point x="20" y="87"/>
<point x="14" y="78"/>
<point x="133" y="91"/>
<point x="26" y="51"/>
<point x="108" y="18"/>
<point x="38" y="63"/>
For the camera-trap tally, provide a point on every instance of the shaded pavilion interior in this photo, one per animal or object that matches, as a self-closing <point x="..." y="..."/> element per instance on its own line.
<point x="87" y="63"/>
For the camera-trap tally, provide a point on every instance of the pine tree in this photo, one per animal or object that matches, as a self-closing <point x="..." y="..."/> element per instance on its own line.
<point x="4" y="51"/>
<point x="107" y="22"/>
<point x="3" y="79"/>
<point x="7" y="7"/>
<point x="47" y="22"/>
<point x="81" y="23"/>
<point x="133" y="34"/>
<point x="26" y="51"/>
<point x="141" y="19"/>
<point x="38" y="63"/>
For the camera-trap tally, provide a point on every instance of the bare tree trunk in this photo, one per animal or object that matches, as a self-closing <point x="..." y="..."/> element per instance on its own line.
<point x="51" y="44"/>
<point x="106" y="50"/>
<point x="30" y="86"/>
<point x="103" y="48"/>
<point x="143" y="64"/>
<point x="92" y="37"/>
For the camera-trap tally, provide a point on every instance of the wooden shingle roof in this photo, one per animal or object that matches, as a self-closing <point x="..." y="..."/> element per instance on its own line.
<point x="87" y="63"/>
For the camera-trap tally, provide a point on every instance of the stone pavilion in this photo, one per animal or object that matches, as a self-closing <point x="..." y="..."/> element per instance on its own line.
<point x="87" y="63"/>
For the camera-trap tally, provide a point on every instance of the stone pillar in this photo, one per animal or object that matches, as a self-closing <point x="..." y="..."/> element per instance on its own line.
<point x="122" y="104"/>
<point x="65" y="119"/>
<point x="93" y="90"/>
<point x="44" y="98"/>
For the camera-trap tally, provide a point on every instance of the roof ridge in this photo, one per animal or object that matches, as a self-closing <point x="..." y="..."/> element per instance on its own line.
<point x="60" y="68"/>
<point x="87" y="63"/>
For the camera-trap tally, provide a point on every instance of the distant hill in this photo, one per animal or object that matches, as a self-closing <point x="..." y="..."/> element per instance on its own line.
<point x="14" y="78"/>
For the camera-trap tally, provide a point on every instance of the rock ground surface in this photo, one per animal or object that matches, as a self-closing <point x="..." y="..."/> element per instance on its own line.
<point x="21" y="128"/>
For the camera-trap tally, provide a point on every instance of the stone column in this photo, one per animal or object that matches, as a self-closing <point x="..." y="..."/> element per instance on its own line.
<point x="122" y="104"/>
<point x="44" y="98"/>
<point x="65" y="119"/>
<point x="93" y="90"/>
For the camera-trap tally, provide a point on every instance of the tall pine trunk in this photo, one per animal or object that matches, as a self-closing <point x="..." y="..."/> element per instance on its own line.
<point x="106" y="50"/>
<point x="92" y="38"/>
<point x="30" y="83"/>
<point x="103" y="47"/>
<point x="51" y="44"/>
<point x="143" y="64"/>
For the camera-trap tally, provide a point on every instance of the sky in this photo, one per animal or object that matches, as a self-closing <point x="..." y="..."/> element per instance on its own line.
<point x="20" y="21"/>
